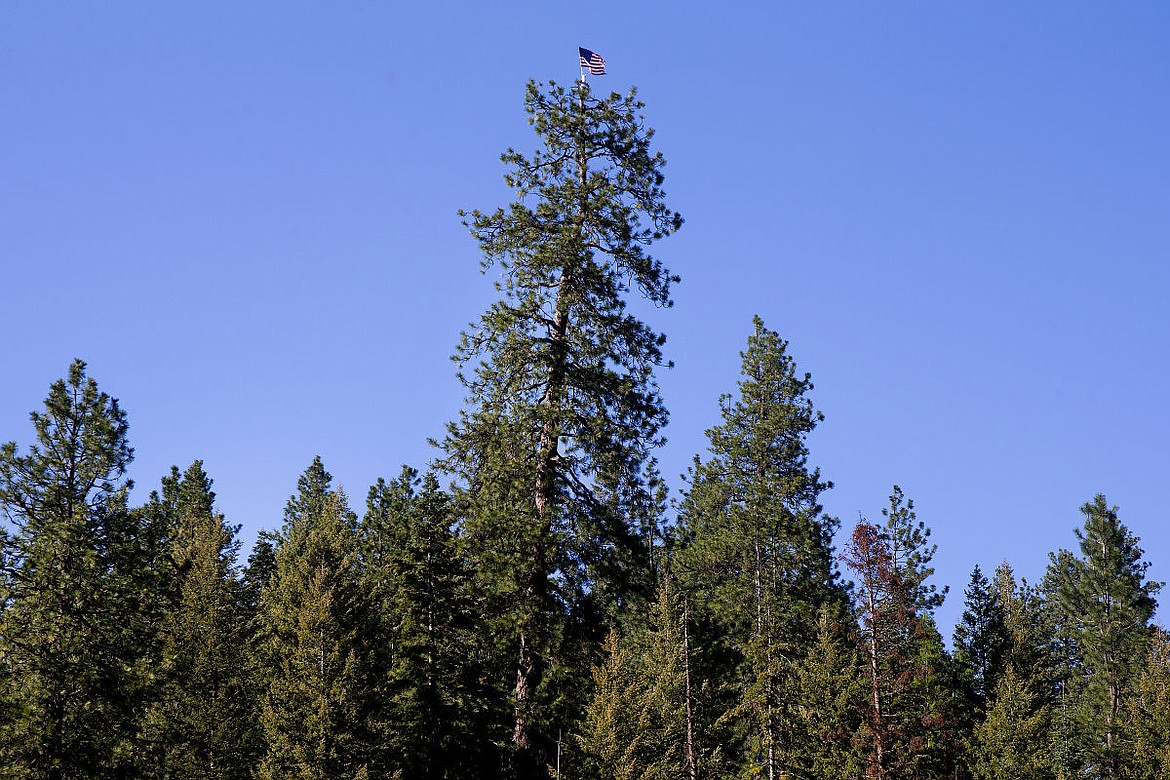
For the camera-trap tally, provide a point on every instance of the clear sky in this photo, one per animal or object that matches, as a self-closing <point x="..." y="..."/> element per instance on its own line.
<point x="243" y="216"/>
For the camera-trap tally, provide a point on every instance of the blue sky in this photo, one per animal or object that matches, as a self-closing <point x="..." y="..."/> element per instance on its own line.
<point x="243" y="216"/>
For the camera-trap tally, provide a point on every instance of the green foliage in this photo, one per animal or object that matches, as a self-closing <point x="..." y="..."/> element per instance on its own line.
<point x="200" y="723"/>
<point x="1029" y="622"/>
<point x="259" y="570"/>
<point x="981" y="639"/>
<point x="637" y="724"/>
<point x="433" y="720"/>
<point x="615" y="727"/>
<point x="1010" y="743"/>
<point x="756" y="549"/>
<point x="831" y="693"/>
<point x="1148" y="712"/>
<point x="318" y="710"/>
<point x="75" y="632"/>
<point x="1104" y="605"/>
<point x="563" y="409"/>
<point x="1017" y="714"/>
<point x="451" y="634"/>
<point x="911" y="552"/>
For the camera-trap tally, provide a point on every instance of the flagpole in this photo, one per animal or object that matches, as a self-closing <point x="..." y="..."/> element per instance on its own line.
<point x="583" y="83"/>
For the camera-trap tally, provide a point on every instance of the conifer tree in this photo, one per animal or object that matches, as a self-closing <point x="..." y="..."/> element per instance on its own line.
<point x="909" y="720"/>
<point x="1010" y="742"/>
<point x="563" y="407"/>
<point x="832" y="694"/>
<point x="757" y="547"/>
<point x="319" y="710"/>
<point x="910" y="555"/>
<point x="75" y="627"/>
<point x="420" y="590"/>
<point x="1070" y="737"/>
<point x="867" y="554"/>
<point x="1027" y="619"/>
<point x="615" y="728"/>
<point x="639" y="723"/>
<point x="981" y="638"/>
<point x="259" y="570"/>
<point x="1106" y="604"/>
<point x="200" y="724"/>
<point x="1013" y="734"/>
<point x="1148" y="710"/>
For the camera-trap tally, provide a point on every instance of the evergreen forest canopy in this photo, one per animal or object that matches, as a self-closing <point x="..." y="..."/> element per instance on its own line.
<point x="522" y="609"/>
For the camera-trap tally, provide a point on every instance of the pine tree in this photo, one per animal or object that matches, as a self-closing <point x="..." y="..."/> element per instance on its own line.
<point x="910" y="555"/>
<point x="757" y="547"/>
<point x="1106" y="605"/>
<point x="420" y="589"/>
<point x="1148" y="710"/>
<point x="76" y="626"/>
<point x="200" y="724"/>
<point x="832" y="693"/>
<point x="1009" y="743"/>
<point x="639" y="721"/>
<point x="563" y="406"/>
<point x="1013" y="733"/>
<point x="909" y="721"/>
<point x="1070" y="736"/>
<point x="614" y="728"/>
<point x="868" y="555"/>
<point x="259" y="570"/>
<point x="981" y="638"/>
<point x="318" y="710"/>
<point x="1027" y="619"/>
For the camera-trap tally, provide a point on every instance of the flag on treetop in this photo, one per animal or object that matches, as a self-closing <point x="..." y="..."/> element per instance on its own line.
<point x="593" y="61"/>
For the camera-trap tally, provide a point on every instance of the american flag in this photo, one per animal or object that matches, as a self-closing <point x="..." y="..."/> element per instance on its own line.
<point x="593" y="61"/>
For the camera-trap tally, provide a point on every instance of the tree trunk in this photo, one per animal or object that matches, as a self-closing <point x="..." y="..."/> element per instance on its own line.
<point x="530" y="662"/>
<point x="692" y="771"/>
<point x="878" y="767"/>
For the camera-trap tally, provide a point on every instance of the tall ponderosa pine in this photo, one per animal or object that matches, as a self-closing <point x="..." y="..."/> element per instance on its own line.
<point x="563" y="407"/>
<point x="78" y="575"/>
<point x="318" y="710"/>
<point x="756" y="547"/>
<point x="201" y="722"/>
<point x="1105" y="603"/>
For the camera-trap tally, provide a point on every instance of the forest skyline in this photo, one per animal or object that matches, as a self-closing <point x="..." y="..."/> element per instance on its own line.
<point x="551" y="600"/>
<point x="952" y="215"/>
